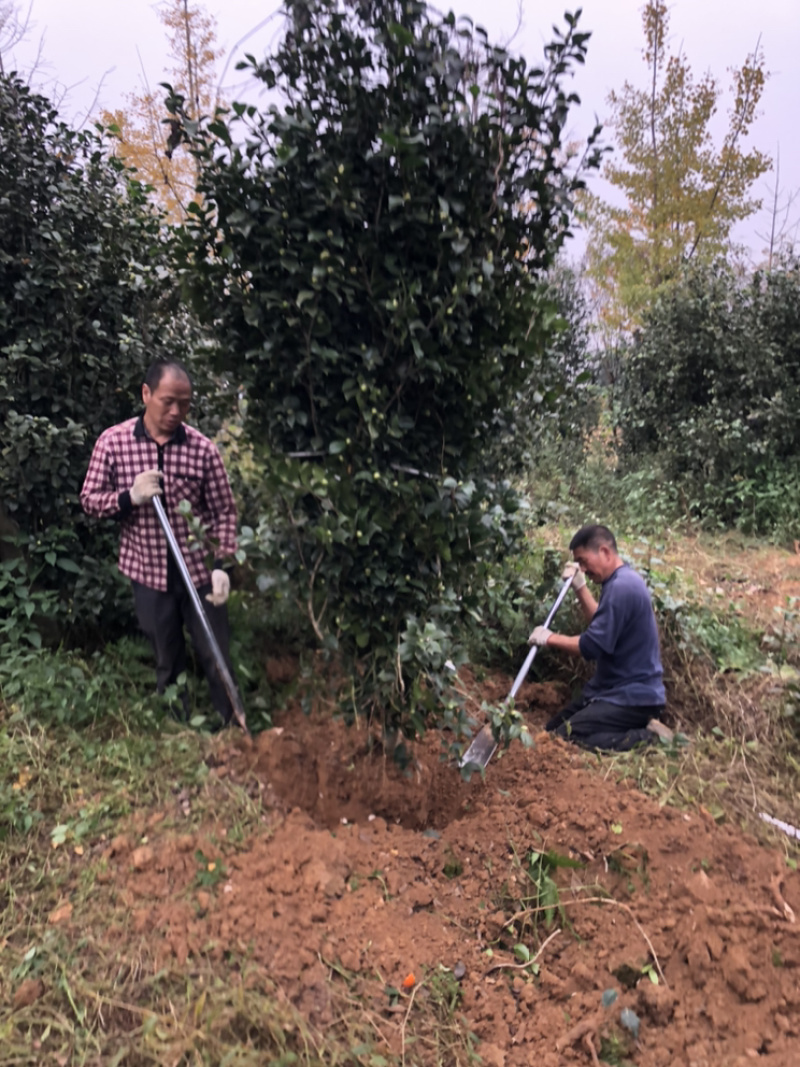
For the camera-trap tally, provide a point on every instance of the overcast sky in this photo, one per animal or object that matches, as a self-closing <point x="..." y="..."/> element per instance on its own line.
<point x="106" y="44"/>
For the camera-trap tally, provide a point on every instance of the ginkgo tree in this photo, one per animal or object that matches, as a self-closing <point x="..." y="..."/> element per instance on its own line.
<point x="681" y="192"/>
<point x="147" y="132"/>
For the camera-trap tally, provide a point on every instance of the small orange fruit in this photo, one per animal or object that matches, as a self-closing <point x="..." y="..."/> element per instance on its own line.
<point x="409" y="981"/>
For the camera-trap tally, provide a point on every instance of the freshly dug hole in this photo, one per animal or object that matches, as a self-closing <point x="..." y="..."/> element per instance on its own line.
<point x="335" y="772"/>
<point x="306" y="900"/>
<point x="332" y="773"/>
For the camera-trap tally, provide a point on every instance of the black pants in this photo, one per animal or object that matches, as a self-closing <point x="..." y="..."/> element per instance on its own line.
<point x="608" y="727"/>
<point x="162" y="617"/>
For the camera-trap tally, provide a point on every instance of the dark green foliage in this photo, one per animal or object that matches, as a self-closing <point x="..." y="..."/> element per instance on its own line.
<point x="363" y="251"/>
<point x="710" y="392"/>
<point x="84" y="279"/>
<point x="76" y="690"/>
<point x="558" y="403"/>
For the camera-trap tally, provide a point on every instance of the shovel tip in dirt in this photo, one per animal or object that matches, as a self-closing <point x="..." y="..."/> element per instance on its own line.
<point x="480" y="751"/>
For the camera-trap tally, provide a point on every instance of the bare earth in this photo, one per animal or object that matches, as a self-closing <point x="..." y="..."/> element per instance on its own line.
<point x="365" y="876"/>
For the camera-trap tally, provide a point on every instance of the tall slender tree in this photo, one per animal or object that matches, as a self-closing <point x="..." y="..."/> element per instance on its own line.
<point x="148" y="134"/>
<point x="682" y="192"/>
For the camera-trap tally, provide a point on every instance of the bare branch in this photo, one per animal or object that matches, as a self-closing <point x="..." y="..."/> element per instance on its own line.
<point x="13" y="29"/>
<point x="518" y="27"/>
<point x="194" y="106"/>
<point x="91" y="108"/>
<point x="653" y="137"/>
<point x="156" y="126"/>
<point x="240" y="42"/>
<point x="779" y="217"/>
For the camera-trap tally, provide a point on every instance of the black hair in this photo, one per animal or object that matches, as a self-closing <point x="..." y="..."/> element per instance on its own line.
<point x="591" y="537"/>
<point x="157" y="370"/>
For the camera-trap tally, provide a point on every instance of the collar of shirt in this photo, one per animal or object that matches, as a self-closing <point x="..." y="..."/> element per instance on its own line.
<point x="611" y="576"/>
<point x="178" y="438"/>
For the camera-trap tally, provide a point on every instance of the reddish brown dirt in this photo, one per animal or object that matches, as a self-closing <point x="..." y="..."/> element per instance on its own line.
<point x="425" y="872"/>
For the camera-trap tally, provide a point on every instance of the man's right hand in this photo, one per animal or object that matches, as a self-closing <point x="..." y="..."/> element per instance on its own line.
<point x="573" y="570"/>
<point x="145" y="486"/>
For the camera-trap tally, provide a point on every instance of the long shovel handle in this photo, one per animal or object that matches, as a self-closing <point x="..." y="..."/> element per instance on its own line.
<point x="483" y="745"/>
<point x="194" y="596"/>
<point x="526" y="666"/>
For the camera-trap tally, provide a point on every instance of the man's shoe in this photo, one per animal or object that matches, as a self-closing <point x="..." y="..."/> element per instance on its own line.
<point x="656" y="726"/>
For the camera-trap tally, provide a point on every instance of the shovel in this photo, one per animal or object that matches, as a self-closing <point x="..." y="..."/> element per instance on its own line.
<point x="484" y="745"/>
<point x="216" y="651"/>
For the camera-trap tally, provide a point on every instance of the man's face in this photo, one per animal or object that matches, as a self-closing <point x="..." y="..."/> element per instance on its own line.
<point x="596" y="563"/>
<point x="168" y="404"/>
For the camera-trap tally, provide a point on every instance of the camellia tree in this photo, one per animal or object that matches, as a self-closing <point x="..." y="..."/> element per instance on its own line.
<point x="359" y="245"/>
<point x="710" y="395"/>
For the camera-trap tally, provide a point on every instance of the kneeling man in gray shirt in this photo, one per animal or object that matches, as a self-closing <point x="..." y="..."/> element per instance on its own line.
<point x="622" y="704"/>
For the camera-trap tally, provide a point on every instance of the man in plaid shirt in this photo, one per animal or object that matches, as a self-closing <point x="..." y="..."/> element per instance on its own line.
<point x="156" y="454"/>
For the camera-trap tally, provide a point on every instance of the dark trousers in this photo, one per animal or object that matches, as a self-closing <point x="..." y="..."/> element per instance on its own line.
<point x="609" y="727"/>
<point x="162" y="617"/>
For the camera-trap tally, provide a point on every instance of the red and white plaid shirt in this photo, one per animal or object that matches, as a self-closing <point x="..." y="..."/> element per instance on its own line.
<point x="193" y="471"/>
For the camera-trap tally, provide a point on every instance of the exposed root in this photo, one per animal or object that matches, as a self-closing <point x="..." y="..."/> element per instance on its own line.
<point x="586" y="1028"/>
<point x="587" y="1040"/>
<point x="775" y="888"/>
<point x="600" y="900"/>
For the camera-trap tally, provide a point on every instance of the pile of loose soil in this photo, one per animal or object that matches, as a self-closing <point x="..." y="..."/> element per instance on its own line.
<point x="366" y="874"/>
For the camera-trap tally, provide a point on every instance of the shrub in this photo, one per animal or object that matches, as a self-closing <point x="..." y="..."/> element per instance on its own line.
<point x="363" y="250"/>
<point x="86" y="302"/>
<point x="710" y="391"/>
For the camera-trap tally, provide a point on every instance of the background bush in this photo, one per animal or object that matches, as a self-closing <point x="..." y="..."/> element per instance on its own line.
<point x="87" y="301"/>
<point x="709" y="394"/>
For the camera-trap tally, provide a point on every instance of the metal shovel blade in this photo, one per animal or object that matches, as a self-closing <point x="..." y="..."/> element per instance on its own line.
<point x="483" y="745"/>
<point x="481" y="749"/>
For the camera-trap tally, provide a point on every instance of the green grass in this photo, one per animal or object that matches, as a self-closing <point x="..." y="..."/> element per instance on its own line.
<point x="87" y="752"/>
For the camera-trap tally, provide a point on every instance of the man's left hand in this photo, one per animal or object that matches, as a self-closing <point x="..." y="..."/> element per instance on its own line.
<point x="540" y="636"/>
<point x="220" y="588"/>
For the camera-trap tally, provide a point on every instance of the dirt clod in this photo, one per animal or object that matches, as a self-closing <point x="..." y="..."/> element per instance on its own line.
<point x="657" y="1003"/>
<point x="142" y="857"/>
<point x="61" y="914"/>
<point x="28" y="992"/>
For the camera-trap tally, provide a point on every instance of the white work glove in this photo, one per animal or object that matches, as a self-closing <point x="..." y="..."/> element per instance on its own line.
<point x="220" y="588"/>
<point x="540" y="636"/>
<point x="579" y="581"/>
<point x="145" y="486"/>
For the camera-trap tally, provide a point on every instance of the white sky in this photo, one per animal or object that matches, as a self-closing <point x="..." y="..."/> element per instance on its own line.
<point x="107" y="43"/>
